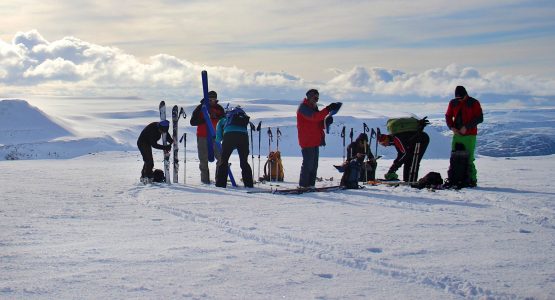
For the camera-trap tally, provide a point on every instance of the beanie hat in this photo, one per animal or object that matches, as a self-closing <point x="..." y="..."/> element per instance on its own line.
<point x="212" y="95"/>
<point x="164" y="124"/>
<point x="460" y="92"/>
<point x="312" y="92"/>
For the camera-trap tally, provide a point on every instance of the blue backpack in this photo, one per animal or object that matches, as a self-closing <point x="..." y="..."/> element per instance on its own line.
<point x="237" y="117"/>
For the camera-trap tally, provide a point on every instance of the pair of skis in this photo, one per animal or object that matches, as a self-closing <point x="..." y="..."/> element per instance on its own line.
<point x="298" y="191"/>
<point x="176" y="115"/>
<point x="253" y="129"/>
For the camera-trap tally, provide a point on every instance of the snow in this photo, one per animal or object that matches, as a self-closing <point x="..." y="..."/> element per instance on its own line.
<point x="82" y="226"/>
<point x="86" y="228"/>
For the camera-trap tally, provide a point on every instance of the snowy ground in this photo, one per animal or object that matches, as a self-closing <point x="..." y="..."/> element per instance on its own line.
<point x="84" y="228"/>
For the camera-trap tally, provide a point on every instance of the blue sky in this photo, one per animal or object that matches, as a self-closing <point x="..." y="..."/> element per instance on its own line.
<point x="247" y="44"/>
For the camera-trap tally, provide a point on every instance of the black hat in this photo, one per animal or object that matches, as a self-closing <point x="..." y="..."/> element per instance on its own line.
<point x="460" y="92"/>
<point x="311" y="93"/>
<point x="212" y="95"/>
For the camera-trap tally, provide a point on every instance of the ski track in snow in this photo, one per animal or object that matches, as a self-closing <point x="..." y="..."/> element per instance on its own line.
<point x="314" y="248"/>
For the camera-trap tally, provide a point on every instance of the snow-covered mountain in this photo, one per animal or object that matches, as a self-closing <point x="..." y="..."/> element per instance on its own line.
<point x="77" y="127"/>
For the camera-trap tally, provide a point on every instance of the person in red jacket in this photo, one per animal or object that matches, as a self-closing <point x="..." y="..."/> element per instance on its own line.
<point x="310" y="130"/>
<point x="216" y="112"/>
<point x="463" y="115"/>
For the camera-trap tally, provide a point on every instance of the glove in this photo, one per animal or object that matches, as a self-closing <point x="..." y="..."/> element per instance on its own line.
<point x="167" y="147"/>
<point x="329" y="121"/>
<point x="391" y="176"/>
<point x="423" y="122"/>
<point x="333" y="107"/>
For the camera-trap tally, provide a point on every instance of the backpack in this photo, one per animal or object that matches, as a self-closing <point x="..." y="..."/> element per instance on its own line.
<point x="398" y="125"/>
<point x="458" y="174"/>
<point x="351" y="175"/>
<point x="237" y="117"/>
<point x="431" y="180"/>
<point x="273" y="165"/>
<point x="158" y="176"/>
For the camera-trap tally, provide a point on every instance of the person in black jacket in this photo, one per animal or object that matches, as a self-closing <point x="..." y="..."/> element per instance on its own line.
<point x="148" y="139"/>
<point x="360" y="150"/>
<point x="405" y="144"/>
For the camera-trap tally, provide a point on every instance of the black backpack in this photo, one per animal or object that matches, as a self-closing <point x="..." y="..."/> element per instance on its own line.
<point x="458" y="175"/>
<point x="431" y="180"/>
<point x="352" y="172"/>
<point x="158" y="176"/>
<point x="237" y="116"/>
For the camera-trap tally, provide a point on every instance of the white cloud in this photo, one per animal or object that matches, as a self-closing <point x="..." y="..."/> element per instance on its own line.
<point x="73" y="66"/>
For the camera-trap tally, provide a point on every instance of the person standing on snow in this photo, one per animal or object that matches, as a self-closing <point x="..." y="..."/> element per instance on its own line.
<point x="232" y="133"/>
<point x="147" y="140"/>
<point x="310" y="131"/>
<point x="463" y="115"/>
<point x="216" y="112"/>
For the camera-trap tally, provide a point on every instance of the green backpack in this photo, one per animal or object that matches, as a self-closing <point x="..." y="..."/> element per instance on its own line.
<point x="398" y="125"/>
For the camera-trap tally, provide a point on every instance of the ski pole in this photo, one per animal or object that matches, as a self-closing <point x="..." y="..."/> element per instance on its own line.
<point x="253" y="128"/>
<point x="278" y="135"/>
<point x="259" y="129"/>
<point x="351" y="136"/>
<point x="184" y="140"/>
<point x="378" y="134"/>
<point x="343" y="137"/>
<point x="270" y="140"/>
<point x="365" y="129"/>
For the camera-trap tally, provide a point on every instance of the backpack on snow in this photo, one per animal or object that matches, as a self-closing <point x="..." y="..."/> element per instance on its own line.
<point x="351" y="174"/>
<point x="458" y="175"/>
<point x="237" y="117"/>
<point x="158" y="176"/>
<point x="398" y="125"/>
<point x="431" y="180"/>
<point x="273" y="168"/>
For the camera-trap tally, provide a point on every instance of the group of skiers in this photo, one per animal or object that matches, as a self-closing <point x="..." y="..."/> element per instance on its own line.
<point x="463" y="115"/>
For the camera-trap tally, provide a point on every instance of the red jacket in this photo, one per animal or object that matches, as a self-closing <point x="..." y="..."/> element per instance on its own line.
<point x="216" y="113"/>
<point x="310" y="125"/>
<point x="465" y="112"/>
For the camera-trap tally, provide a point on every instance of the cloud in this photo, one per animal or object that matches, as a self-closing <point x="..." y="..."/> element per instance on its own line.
<point x="70" y="66"/>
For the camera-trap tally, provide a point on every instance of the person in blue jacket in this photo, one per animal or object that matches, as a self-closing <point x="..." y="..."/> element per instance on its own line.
<point x="232" y="132"/>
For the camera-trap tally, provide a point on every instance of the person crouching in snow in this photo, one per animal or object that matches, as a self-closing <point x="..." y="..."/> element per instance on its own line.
<point x="406" y="143"/>
<point x="147" y="140"/>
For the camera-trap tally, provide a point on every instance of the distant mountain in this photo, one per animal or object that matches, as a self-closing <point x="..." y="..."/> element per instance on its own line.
<point x="23" y="123"/>
<point x="28" y="133"/>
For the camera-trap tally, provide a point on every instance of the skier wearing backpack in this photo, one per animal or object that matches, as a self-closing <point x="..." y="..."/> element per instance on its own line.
<point x="147" y="140"/>
<point x="197" y="119"/>
<point x="360" y="149"/>
<point x="463" y="115"/>
<point x="232" y="132"/>
<point x="310" y="130"/>
<point x="408" y="144"/>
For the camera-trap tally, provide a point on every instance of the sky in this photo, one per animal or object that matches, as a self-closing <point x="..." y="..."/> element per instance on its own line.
<point x="278" y="49"/>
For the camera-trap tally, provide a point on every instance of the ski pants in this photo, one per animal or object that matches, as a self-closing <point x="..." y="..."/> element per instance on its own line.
<point x="309" y="168"/>
<point x="148" y="161"/>
<point x="469" y="142"/>
<point x="202" y="148"/>
<point x="231" y="141"/>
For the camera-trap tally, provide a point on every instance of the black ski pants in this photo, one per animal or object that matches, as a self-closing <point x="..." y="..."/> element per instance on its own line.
<point x="423" y="139"/>
<point x="148" y="165"/>
<point x="309" y="168"/>
<point x="231" y="141"/>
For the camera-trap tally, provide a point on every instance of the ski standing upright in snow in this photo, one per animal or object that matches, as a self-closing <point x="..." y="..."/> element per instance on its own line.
<point x="162" y="108"/>
<point x="176" y="114"/>
<point x="211" y="133"/>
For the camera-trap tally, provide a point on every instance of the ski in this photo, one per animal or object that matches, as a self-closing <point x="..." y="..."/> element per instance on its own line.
<point x="162" y="108"/>
<point x="298" y="191"/>
<point x="211" y="132"/>
<point x="389" y="182"/>
<point x="176" y="114"/>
